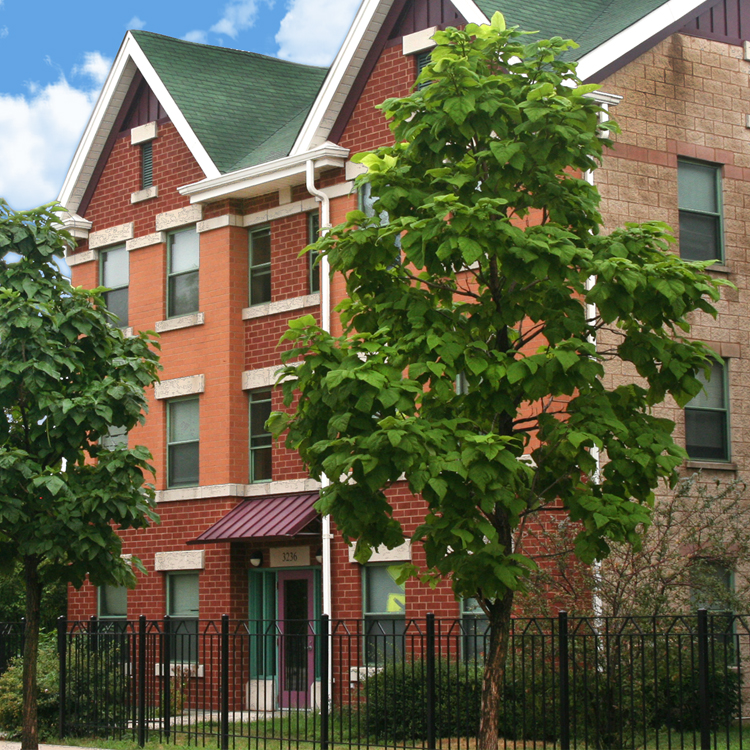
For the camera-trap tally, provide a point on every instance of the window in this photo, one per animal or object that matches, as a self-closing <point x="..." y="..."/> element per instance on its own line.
<point x="711" y="585"/>
<point x="182" y="272"/>
<point x="183" y="455"/>
<point x="115" y="274"/>
<point x="116" y="437"/>
<point x="707" y="419"/>
<point x="262" y="623"/>
<point x="423" y="60"/>
<point x="182" y="607"/>
<point x="113" y="602"/>
<point x="699" y="191"/>
<point x="367" y="206"/>
<point x="147" y="165"/>
<point x="260" y="438"/>
<point x="260" y="266"/>
<point x="313" y="230"/>
<point x="475" y="628"/>
<point x="384" y="610"/>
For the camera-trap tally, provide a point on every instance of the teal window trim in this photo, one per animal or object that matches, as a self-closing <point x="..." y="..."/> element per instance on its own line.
<point x="173" y="443"/>
<point x="260" y="268"/>
<point x="697" y="448"/>
<point x="260" y="442"/>
<point x="686" y="212"/>
<point x="174" y="277"/>
<point x="262" y="622"/>
<point x="313" y="232"/>
<point x="147" y="165"/>
<point x="116" y="298"/>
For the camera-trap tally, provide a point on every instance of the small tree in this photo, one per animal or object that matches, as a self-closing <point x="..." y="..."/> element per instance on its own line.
<point x="472" y="348"/>
<point x="66" y="375"/>
<point x="696" y="536"/>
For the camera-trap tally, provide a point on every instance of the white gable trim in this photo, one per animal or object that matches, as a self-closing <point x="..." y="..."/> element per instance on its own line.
<point x="641" y="31"/>
<point x="346" y="66"/>
<point x="129" y="59"/>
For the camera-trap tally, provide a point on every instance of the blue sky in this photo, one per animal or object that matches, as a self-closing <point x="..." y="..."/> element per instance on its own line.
<point x="54" y="58"/>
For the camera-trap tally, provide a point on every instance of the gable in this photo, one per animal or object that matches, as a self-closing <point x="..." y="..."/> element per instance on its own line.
<point x="728" y="21"/>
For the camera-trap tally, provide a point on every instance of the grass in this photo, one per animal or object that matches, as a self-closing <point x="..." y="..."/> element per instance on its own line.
<point x="735" y="739"/>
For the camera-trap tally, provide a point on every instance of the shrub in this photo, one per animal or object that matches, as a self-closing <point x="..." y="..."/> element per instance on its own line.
<point x="11" y="690"/>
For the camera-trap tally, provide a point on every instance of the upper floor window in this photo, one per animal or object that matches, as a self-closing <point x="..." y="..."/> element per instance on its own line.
<point x="114" y="272"/>
<point x="313" y="230"/>
<point x="182" y="272"/>
<point x="261" y="442"/>
<point x="423" y="60"/>
<point x="260" y="266"/>
<point x="699" y="193"/>
<point x="707" y="419"/>
<point x="183" y="443"/>
<point x="147" y="165"/>
<point x="116" y="437"/>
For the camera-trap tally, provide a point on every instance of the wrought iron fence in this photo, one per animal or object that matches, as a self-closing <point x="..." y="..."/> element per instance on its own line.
<point x="656" y="682"/>
<point x="11" y="642"/>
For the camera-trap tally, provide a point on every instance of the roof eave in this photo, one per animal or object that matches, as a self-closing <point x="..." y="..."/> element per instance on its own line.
<point x="129" y="58"/>
<point x="266" y="177"/>
<point x="643" y="34"/>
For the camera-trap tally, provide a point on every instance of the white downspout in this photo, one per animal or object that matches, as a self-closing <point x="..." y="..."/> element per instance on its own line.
<point x="325" y="324"/>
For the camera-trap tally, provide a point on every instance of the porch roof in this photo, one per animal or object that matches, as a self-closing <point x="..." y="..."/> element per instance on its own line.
<point x="264" y="517"/>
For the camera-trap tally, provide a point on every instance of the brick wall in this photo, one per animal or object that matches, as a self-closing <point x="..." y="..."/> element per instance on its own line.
<point x="688" y="97"/>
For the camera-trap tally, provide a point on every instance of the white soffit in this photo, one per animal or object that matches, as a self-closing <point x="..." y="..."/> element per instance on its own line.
<point x="129" y="59"/>
<point x="638" y="33"/>
<point x="346" y="66"/>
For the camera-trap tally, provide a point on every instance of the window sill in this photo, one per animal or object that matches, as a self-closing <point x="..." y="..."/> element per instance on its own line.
<point x="711" y="465"/>
<point x="183" y="321"/>
<point x="719" y="268"/>
<point x="286" y="487"/>
<point x="281" y="306"/>
<point x="145" y="194"/>
<point x="181" y="669"/>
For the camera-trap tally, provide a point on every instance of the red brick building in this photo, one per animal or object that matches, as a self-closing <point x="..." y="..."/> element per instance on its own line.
<point x="204" y="171"/>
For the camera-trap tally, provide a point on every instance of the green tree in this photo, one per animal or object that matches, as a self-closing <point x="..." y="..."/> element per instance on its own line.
<point x="468" y="367"/>
<point x="66" y="375"/>
<point x="13" y="604"/>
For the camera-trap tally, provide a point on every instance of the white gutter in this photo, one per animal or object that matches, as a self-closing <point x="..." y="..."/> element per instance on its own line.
<point x="266" y="177"/>
<point x="325" y="324"/>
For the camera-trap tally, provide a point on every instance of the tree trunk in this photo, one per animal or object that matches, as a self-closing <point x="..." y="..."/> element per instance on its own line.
<point x="29" y="731"/>
<point x="494" y="671"/>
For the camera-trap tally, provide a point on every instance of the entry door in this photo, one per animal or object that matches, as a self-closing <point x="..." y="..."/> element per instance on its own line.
<point x="296" y="641"/>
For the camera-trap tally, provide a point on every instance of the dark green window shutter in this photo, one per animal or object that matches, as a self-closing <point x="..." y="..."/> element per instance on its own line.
<point x="423" y="59"/>
<point x="147" y="166"/>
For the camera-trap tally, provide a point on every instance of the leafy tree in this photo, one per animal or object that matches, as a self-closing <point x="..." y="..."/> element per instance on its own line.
<point x="66" y="375"/>
<point x="468" y="368"/>
<point x="13" y="604"/>
<point x="696" y="536"/>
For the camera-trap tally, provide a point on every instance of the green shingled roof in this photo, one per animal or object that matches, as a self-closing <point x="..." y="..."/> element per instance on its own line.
<point x="588" y="22"/>
<point x="243" y="107"/>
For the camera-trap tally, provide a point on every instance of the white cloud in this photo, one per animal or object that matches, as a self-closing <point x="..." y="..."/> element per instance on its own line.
<point x="38" y="135"/>
<point x="135" y="23"/>
<point x="239" y="15"/>
<point x="3" y="31"/>
<point x="195" y="36"/>
<point x="95" y="65"/>
<point x="312" y="30"/>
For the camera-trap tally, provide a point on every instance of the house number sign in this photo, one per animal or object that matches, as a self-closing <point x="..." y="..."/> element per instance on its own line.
<point x="288" y="557"/>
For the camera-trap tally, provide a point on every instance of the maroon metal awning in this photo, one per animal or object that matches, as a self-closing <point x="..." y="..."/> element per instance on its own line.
<point x="262" y="518"/>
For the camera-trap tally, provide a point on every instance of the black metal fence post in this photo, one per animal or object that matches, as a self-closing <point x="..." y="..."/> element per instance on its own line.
<point x="324" y="678"/>
<point x="166" y="675"/>
<point x="430" y="687"/>
<point x="562" y="634"/>
<point x="62" y="662"/>
<point x="224" y="682"/>
<point x="141" y="680"/>
<point x="703" y="688"/>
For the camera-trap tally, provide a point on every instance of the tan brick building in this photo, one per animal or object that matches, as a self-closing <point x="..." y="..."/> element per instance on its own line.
<point x="204" y="171"/>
